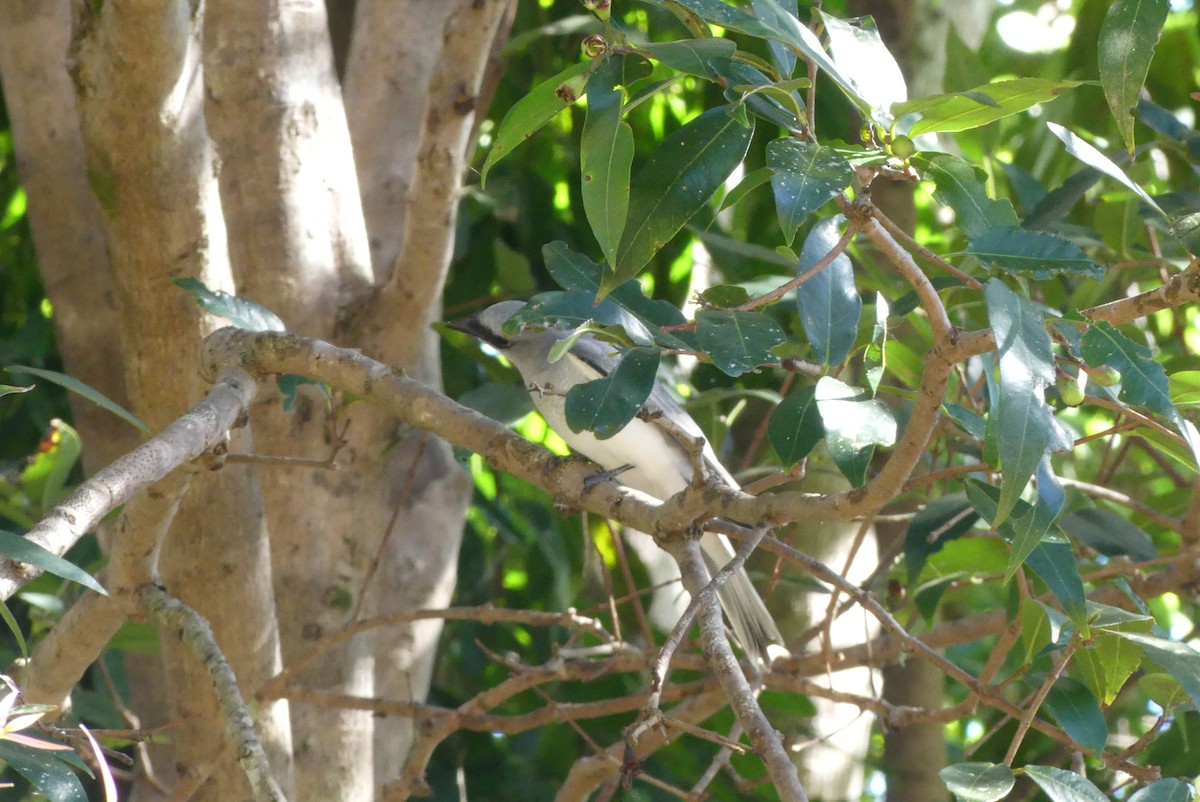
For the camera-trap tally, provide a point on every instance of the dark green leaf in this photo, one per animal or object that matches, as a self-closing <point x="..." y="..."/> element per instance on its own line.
<point x="867" y="63"/>
<point x="750" y="182"/>
<point x="970" y="421"/>
<point x="573" y="308"/>
<point x="44" y="771"/>
<point x="533" y="111"/>
<point x="783" y="58"/>
<point x="1064" y="786"/>
<point x="738" y="342"/>
<point x="1023" y="430"/>
<point x="688" y="167"/>
<point x="766" y="106"/>
<point x="1143" y="381"/>
<point x="15" y="547"/>
<point x="690" y="55"/>
<point x="241" y="312"/>
<point x="795" y="426"/>
<point x="1178" y="659"/>
<point x="1108" y="533"/>
<point x="1127" y="38"/>
<point x="806" y="176"/>
<point x="960" y="111"/>
<point x="724" y="296"/>
<point x="86" y="391"/>
<point x="1093" y="158"/>
<point x="1077" y="712"/>
<point x="1168" y="789"/>
<point x="854" y="424"/>
<point x="1029" y="528"/>
<point x="501" y="401"/>
<point x="978" y="782"/>
<point x="14" y="628"/>
<point x="606" y="155"/>
<point x="1186" y="229"/>
<point x="606" y="405"/>
<point x="941" y="521"/>
<point x="962" y="186"/>
<point x="1031" y="253"/>
<point x="829" y="301"/>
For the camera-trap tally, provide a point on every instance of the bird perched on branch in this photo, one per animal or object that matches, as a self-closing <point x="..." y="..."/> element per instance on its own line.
<point x="647" y="454"/>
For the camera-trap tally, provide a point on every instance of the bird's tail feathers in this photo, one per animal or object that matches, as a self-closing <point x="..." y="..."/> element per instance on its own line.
<point x="752" y="623"/>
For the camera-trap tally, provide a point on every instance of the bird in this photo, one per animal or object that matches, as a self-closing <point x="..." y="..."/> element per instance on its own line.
<point x="646" y="454"/>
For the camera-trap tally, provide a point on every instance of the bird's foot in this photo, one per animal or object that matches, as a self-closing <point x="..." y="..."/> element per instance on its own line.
<point x="591" y="482"/>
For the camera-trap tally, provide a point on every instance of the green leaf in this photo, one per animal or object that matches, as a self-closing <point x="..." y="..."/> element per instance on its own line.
<point x="939" y="522"/>
<point x="1108" y="533"/>
<point x="14" y="628"/>
<point x="806" y="176"/>
<point x="1186" y="229"/>
<point x="241" y="312"/>
<point x="531" y="112"/>
<point x="8" y="389"/>
<point x="1034" y="254"/>
<point x="15" y="547"/>
<point x="738" y="75"/>
<point x="875" y="356"/>
<point x="782" y="27"/>
<point x="505" y="402"/>
<point x="795" y="426"/>
<point x="854" y="424"/>
<point x="962" y="186"/>
<point x="45" y="477"/>
<point x="1035" y="627"/>
<point x="574" y="308"/>
<point x="1143" y="381"/>
<point x="750" y="182"/>
<point x="829" y="301"/>
<point x="45" y="771"/>
<point x="1029" y="528"/>
<point x="605" y="157"/>
<point x="867" y="64"/>
<point x="1128" y="36"/>
<point x="782" y="57"/>
<point x="688" y="167"/>
<point x="1077" y="712"/>
<point x="1167" y="789"/>
<point x="1163" y="689"/>
<point x="738" y="342"/>
<point x="1082" y="150"/>
<point x="1185" y="387"/>
<point x="978" y="782"/>
<point x="1178" y="659"/>
<point x="960" y="111"/>
<point x="605" y="406"/>
<point x="690" y="55"/>
<point x="1107" y="662"/>
<point x="1064" y="786"/>
<point x="86" y="391"/>
<point x="1023" y="419"/>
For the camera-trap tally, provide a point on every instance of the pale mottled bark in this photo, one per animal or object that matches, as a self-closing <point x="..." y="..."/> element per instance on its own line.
<point x="138" y="76"/>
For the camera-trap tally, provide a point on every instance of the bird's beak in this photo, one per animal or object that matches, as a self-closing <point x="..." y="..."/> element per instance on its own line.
<point x="472" y="325"/>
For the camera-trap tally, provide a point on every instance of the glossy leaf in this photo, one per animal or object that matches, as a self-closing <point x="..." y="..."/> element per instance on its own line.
<point x="738" y="342"/>
<point x="962" y="186"/>
<point x="687" y="169"/>
<point x="783" y="58"/>
<point x="1127" y="38"/>
<point x="866" y="63"/>
<point x="961" y="111"/>
<point x="806" y="177"/>
<point x="1030" y="528"/>
<point x="574" y="271"/>
<point x="84" y="391"/>
<point x="1086" y="153"/>
<point x="1143" y="380"/>
<point x="854" y="424"/>
<point x="1032" y="254"/>
<point x="978" y="782"/>
<point x="1178" y="659"/>
<point x="1106" y="663"/>
<point x="766" y="106"/>
<point x="606" y="156"/>
<point x="689" y="55"/>
<point x="1108" y="533"/>
<point x="1023" y="419"/>
<point x="606" y="405"/>
<point x="1064" y="786"/>
<point x="936" y="524"/>
<point x="875" y="356"/>
<point x="750" y="182"/>
<point x="572" y="309"/>
<point x="795" y="426"/>
<point x="540" y="106"/>
<point x="1077" y="712"/>
<point x="15" y="547"/>
<point x="829" y="301"/>
<point x="45" y="771"/>
<point x="1167" y="789"/>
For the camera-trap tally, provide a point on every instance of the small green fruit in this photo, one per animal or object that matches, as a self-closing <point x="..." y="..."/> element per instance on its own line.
<point x="1069" y="390"/>
<point x="903" y="147"/>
